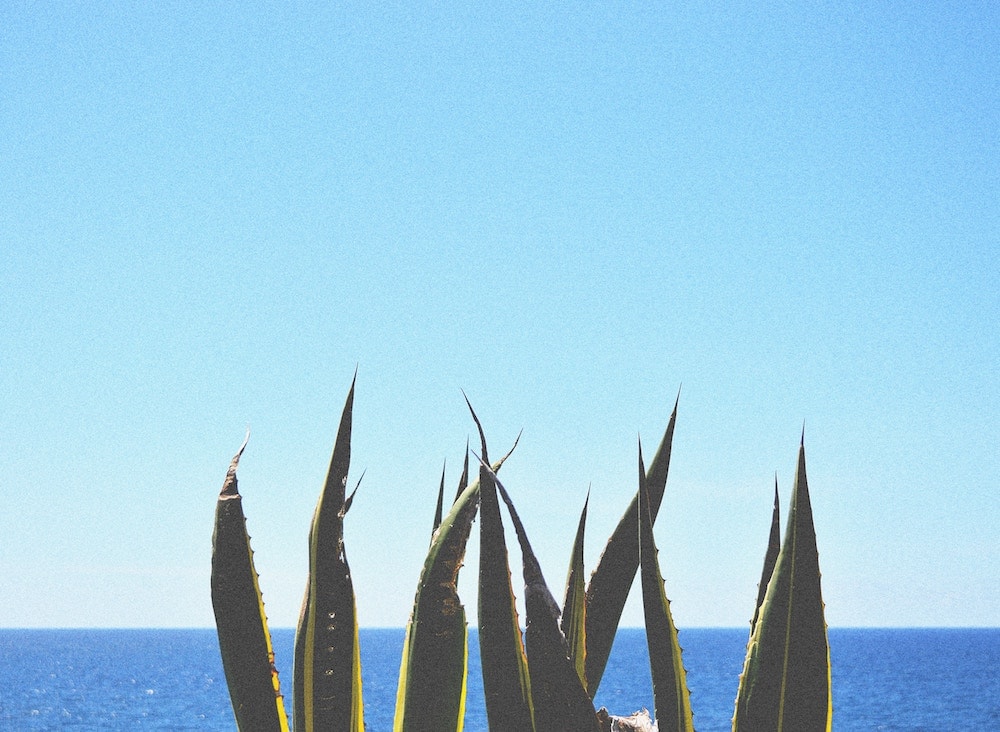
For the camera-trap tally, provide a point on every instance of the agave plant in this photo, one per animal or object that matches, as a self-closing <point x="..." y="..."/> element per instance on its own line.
<point x="541" y="678"/>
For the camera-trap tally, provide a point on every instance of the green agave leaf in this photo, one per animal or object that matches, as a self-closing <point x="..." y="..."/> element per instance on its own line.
<point x="785" y="684"/>
<point x="439" y="509"/>
<point x="501" y="648"/>
<point x="244" y="639"/>
<point x="559" y="700"/>
<point x="432" y="676"/>
<point x="770" y="557"/>
<point x="327" y="669"/>
<point x="433" y="673"/>
<point x="670" y="691"/>
<point x="463" y="482"/>
<point x="574" y="615"/>
<point x="611" y="581"/>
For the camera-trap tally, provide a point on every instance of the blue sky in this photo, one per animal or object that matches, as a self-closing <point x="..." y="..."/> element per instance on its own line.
<point x="210" y="217"/>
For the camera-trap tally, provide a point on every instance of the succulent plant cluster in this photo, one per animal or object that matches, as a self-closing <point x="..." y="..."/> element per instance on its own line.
<point x="542" y="677"/>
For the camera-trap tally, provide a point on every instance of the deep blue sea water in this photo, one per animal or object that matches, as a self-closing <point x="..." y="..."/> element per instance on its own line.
<point x="883" y="679"/>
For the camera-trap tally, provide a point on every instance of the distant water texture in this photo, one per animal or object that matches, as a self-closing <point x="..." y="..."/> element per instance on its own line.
<point x="883" y="679"/>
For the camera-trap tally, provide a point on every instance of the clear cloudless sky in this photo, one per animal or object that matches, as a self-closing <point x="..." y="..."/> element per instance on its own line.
<point x="210" y="216"/>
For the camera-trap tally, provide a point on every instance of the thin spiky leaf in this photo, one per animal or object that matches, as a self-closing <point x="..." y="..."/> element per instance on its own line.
<point x="463" y="481"/>
<point x="244" y="639"/>
<point x="670" y="691"/>
<point x="560" y="702"/>
<point x="433" y="672"/>
<point x="505" y="667"/>
<point x="439" y="509"/>
<point x="350" y="499"/>
<point x="770" y="556"/>
<point x="327" y="669"/>
<point x="612" y="579"/>
<point x="574" y="615"/>
<point x="785" y="684"/>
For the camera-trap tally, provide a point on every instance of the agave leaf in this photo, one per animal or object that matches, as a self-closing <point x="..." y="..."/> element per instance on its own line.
<point x="670" y="691"/>
<point x="350" y="499"/>
<point x="438" y="510"/>
<point x="327" y="668"/>
<point x="770" y="557"/>
<point x="574" y="615"/>
<point x="559" y="700"/>
<point x="244" y="639"/>
<point x="501" y="648"/>
<point x="463" y="482"/>
<point x="611" y="581"/>
<point x="432" y="676"/>
<point x="785" y="684"/>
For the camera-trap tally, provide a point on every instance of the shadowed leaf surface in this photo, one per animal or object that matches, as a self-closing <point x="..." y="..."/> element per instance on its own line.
<point x="574" y="614"/>
<point x="439" y="509"/>
<point x="770" y="556"/>
<point x="670" y="691"/>
<point x="501" y="648"/>
<point x="612" y="579"/>
<point x="785" y="684"/>
<point x="244" y="639"/>
<point x="432" y="676"/>
<point x="327" y="669"/>
<point x="559" y="700"/>
<point x="463" y="482"/>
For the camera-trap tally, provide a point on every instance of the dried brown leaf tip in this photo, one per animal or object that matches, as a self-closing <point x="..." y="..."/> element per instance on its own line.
<point x="229" y="488"/>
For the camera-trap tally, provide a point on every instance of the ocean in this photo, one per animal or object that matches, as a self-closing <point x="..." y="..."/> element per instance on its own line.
<point x="883" y="679"/>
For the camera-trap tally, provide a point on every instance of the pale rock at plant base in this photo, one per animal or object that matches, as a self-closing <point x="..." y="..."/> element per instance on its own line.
<point x="636" y="722"/>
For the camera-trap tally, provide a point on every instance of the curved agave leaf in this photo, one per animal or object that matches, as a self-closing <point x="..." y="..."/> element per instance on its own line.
<point x="432" y="676"/>
<point x="327" y="669"/>
<point x="501" y="648"/>
<point x="244" y="639"/>
<point x="785" y="684"/>
<point x="574" y="615"/>
<point x="670" y="691"/>
<point x="611" y="581"/>
<point x="770" y="557"/>
<point x="559" y="699"/>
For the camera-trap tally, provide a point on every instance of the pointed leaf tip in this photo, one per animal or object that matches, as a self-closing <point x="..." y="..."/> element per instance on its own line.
<point x="350" y="498"/>
<point x="786" y="677"/>
<point x="670" y="693"/>
<point x="479" y="426"/>
<point x="439" y="508"/>
<point x="229" y="487"/>
<point x="559" y="698"/>
<point x="611" y="580"/>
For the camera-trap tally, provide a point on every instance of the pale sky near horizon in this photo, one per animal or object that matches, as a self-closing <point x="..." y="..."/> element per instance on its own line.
<point x="209" y="217"/>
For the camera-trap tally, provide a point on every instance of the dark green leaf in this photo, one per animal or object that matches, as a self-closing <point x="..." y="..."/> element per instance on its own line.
<point x="560" y="702"/>
<point x="574" y="614"/>
<point x="432" y="676"/>
<point x="463" y="482"/>
<point x="611" y="581"/>
<point x="670" y="691"/>
<point x="244" y="639"/>
<point x="770" y="557"/>
<point x="327" y="669"/>
<point x="785" y="684"/>
<point x="439" y="509"/>
<point x="501" y="648"/>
